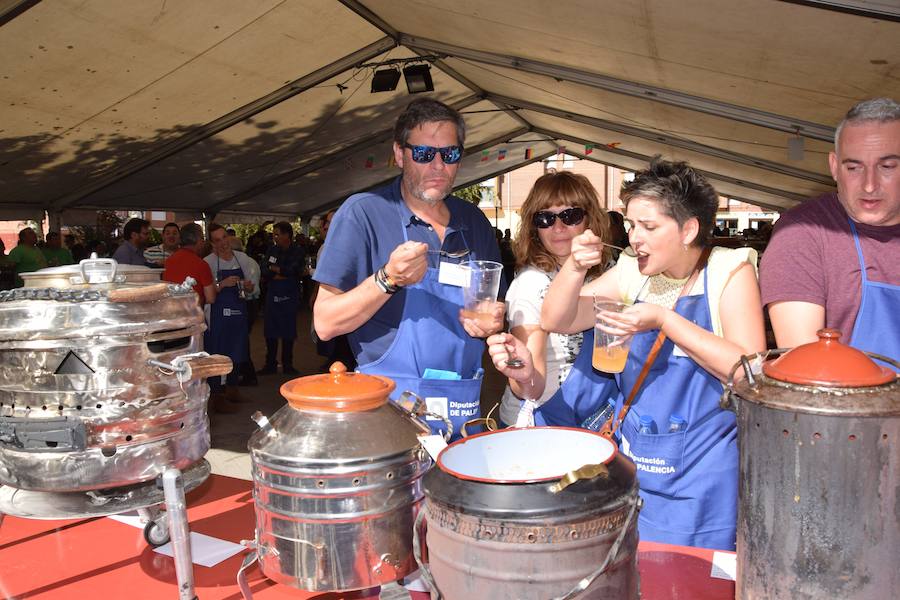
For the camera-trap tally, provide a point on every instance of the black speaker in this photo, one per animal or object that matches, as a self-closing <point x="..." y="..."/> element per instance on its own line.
<point x="385" y="80"/>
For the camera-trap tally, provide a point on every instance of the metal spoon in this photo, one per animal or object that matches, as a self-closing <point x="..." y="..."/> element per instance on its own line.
<point x="455" y="254"/>
<point x="627" y="251"/>
<point x="515" y="363"/>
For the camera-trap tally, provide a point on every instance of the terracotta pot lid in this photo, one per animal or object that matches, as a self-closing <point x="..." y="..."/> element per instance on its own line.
<point x="337" y="391"/>
<point x="828" y="362"/>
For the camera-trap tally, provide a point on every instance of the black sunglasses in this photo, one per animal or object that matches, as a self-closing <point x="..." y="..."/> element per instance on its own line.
<point x="425" y="154"/>
<point x="570" y="216"/>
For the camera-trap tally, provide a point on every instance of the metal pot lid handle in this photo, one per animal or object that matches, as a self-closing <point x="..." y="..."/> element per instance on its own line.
<point x="97" y="270"/>
<point x="583" y="472"/>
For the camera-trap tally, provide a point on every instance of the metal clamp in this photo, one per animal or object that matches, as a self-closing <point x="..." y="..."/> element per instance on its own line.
<point x="180" y="365"/>
<point x="419" y="408"/>
<point x="97" y="270"/>
<point x="43" y="435"/>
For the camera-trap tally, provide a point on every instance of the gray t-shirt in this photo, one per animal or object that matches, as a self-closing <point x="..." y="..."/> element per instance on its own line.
<point x="812" y="258"/>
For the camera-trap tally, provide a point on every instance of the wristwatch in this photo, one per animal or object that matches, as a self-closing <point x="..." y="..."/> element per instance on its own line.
<point x="385" y="283"/>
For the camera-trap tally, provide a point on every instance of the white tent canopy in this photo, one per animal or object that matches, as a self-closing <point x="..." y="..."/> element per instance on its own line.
<point x="236" y="107"/>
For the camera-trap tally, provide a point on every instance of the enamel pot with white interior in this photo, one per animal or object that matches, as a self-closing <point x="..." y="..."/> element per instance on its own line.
<point x="533" y="513"/>
<point x="819" y="504"/>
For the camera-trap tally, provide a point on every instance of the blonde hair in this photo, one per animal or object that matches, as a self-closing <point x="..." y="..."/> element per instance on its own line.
<point x="561" y="188"/>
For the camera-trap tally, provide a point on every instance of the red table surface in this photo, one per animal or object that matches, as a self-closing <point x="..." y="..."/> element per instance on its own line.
<point x="102" y="558"/>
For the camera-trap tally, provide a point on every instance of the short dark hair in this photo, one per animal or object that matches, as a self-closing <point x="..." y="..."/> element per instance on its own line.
<point x="134" y="226"/>
<point x="681" y="193"/>
<point x="213" y="227"/>
<point x="284" y="227"/>
<point x="426" y="110"/>
<point x="52" y="235"/>
<point x="230" y="231"/>
<point x="171" y="224"/>
<point x="191" y="234"/>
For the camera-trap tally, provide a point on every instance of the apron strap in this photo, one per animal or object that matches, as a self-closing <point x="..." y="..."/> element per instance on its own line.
<point x="610" y="428"/>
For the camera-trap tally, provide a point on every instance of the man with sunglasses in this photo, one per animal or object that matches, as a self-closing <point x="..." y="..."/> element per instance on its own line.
<point x="390" y="274"/>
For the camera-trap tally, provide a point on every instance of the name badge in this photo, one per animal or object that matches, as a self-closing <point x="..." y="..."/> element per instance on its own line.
<point x="452" y="274"/>
<point x="273" y="260"/>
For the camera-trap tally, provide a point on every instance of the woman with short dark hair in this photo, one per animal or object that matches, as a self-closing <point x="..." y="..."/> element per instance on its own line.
<point x="702" y="304"/>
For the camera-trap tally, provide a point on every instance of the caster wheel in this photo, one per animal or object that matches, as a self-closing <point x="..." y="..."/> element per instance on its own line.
<point x="156" y="533"/>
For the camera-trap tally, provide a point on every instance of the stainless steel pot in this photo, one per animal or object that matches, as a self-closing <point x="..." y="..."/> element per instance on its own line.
<point x="81" y="405"/>
<point x="336" y="483"/>
<point x="517" y="512"/>
<point x="819" y="440"/>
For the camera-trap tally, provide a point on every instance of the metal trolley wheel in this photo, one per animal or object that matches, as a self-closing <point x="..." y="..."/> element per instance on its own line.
<point x="156" y="531"/>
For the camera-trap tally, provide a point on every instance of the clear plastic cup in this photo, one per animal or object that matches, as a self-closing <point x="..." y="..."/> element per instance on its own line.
<point x="481" y="284"/>
<point x="610" y="351"/>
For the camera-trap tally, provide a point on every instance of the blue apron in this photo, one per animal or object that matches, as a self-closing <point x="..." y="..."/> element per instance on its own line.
<point x="688" y="480"/>
<point x="431" y="336"/>
<point x="877" y="325"/>
<point x="583" y="392"/>
<point x="282" y="304"/>
<point x="227" y="333"/>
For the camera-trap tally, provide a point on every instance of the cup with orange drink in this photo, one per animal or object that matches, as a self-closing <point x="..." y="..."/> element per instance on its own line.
<point x="480" y="288"/>
<point x="610" y="351"/>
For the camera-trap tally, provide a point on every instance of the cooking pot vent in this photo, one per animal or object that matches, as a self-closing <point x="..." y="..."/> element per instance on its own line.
<point x="73" y="364"/>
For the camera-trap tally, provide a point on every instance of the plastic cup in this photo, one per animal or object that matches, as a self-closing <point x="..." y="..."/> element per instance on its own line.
<point x="481" y="284"/>
<point x="610" y="351"/>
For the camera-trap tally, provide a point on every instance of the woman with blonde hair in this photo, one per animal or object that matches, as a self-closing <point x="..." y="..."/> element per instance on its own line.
<point x="560" y="206"/>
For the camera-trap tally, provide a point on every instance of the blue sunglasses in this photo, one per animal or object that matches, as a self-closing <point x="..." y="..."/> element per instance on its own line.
<point x="425" y="154"/>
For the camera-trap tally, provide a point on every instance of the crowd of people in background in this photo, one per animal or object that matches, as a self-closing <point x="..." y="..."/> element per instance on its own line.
<point x="387" y="296"/>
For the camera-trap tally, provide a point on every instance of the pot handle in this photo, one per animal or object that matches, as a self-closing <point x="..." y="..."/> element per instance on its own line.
<point x="248" y="561"/>
<point x="613" y="553"/>
<point x="582" y="472"/>
<point x="726" y="402"/>
<point x="418" y="538"/>
<point x="199" y="365"/>
<point x="144" y="293"/>
<point x="488" y="422"/>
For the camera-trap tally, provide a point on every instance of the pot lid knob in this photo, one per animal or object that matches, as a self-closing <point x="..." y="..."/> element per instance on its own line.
<point x="828" y="362"/>
<point x="337" y="391"/>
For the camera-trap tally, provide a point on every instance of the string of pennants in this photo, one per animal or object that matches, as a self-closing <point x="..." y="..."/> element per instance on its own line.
<point x="500" y="154"/>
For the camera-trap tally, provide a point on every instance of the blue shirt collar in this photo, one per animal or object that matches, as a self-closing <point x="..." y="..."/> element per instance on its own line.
<point x="408" y="218"/>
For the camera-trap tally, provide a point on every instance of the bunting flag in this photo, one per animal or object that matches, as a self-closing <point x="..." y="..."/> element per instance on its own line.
<point x="528" y="153"/>
<point x="588" y="148"/>
<point x="560" y="150"/>
<point x="370" y="161"/>
<point x="614" y="144"/>
<point x="484" y="155"/>
<point x="501" y="154"/>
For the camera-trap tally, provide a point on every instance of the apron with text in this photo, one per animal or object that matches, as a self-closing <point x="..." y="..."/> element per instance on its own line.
<point x="583" y="392"/>
<point x="227" y="333"/>
<point x="431" y="336"/>
<point x="877" y="325"/>
<point x="282" y="304"/>
<point x="688" y="480"/>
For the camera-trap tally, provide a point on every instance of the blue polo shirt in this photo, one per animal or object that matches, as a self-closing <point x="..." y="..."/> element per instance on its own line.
<point x="364" y="232"/>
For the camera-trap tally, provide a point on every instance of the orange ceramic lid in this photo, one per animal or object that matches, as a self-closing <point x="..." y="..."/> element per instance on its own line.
<point x="337" y="391"/>
<point x="828" y="362"/>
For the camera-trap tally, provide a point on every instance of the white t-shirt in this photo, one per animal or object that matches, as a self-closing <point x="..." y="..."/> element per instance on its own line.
<point x="523" y="307"/>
